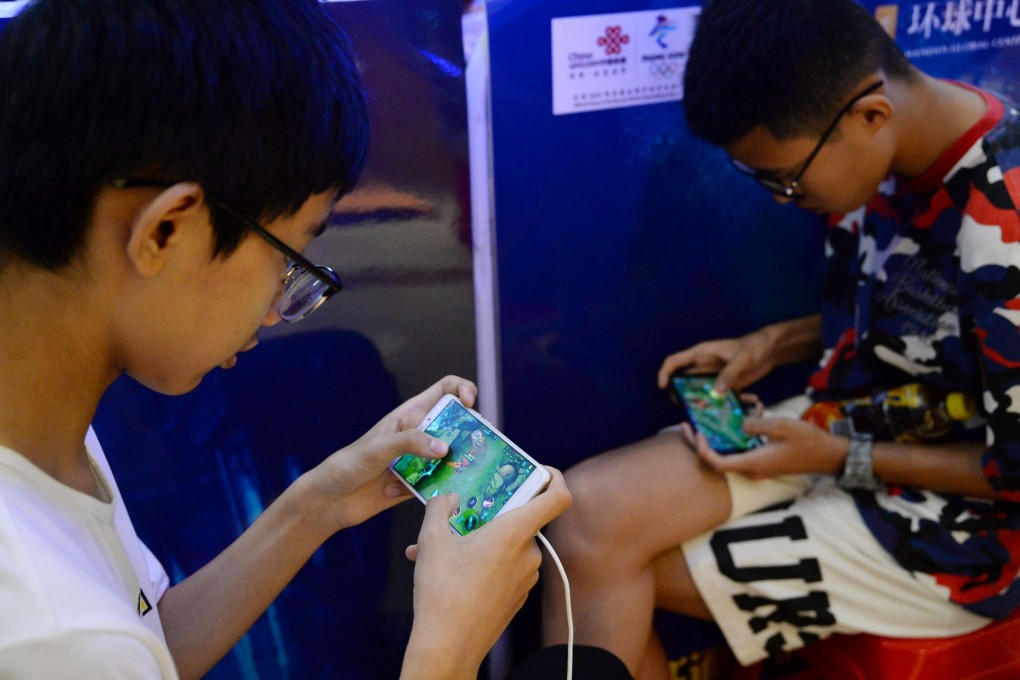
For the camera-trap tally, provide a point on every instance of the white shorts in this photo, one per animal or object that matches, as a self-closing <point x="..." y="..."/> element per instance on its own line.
<point x="808" y="567"/>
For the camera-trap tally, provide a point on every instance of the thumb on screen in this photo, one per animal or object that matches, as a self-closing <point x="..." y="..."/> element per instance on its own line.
<point x="438" y="511"/>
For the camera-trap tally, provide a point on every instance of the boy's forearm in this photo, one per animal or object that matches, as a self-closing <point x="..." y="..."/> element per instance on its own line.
<point x="206" y="614"/>
<point x="954" y="468"/>
<point x="425" y="659"/>
<point x="795" y="340"/>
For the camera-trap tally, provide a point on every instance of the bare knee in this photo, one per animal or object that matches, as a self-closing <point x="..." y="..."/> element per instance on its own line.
<point x="585" y="529"/>
<point x="633" y="503"/>
<point x="611" y="506"/>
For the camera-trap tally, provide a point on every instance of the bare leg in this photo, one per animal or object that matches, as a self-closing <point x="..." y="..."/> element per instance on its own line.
<point x="619" y="541"/>
<point x="654" y="663"/>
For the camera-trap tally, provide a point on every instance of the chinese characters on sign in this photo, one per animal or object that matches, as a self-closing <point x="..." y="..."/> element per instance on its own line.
<point x="610" y="61"/>
<point x="939" y="27"/>
<point x="962" y="16"/>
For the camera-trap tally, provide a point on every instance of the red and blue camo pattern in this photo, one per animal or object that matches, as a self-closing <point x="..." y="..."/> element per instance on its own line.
<point x="923" y="284"/>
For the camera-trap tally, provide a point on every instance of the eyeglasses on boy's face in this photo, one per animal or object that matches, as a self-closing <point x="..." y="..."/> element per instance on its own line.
<point x="305" y="285"/>
<point x="790" y="189"/>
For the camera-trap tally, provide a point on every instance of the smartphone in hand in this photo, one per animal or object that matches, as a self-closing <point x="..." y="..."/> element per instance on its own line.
<point x="489" y="473"/>
<point x="720" y="417"/>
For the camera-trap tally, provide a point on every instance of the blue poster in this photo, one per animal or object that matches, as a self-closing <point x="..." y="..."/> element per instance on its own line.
<point x="976" y="41"/>
<point x="620" y="237"/>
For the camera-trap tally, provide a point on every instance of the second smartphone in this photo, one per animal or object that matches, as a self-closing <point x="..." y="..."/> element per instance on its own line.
<point x="720" y="417"/>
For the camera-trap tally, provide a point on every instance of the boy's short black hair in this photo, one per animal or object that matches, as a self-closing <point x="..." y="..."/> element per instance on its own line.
<point x="785" y="65"/>
<point x="259" y="101"/>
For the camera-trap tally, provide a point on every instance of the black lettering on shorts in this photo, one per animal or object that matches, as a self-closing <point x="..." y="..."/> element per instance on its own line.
<point x="810" y="610"/>
<point x="799" y="612"/>
<point x="806" y="570"/>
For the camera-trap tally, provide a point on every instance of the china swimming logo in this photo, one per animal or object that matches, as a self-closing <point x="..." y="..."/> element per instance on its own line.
<point x="663" y="27"/>
<point x="613" y="40"/>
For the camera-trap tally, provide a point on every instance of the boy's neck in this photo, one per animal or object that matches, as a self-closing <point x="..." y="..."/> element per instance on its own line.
<point x="53" y="373"/>
<point x="932" y="115"/>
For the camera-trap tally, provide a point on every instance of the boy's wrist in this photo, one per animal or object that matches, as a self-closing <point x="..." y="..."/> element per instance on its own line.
<point x="427" y="658"/>
<point x="770" y="335"/>
<point x="794" y="340"/>
<point x="765" y="342"/>
<point x="315" y="513"/>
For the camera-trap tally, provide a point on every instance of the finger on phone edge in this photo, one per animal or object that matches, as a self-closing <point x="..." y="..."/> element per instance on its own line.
<point x="465" y="390"/>
<point x="549" y="504"/>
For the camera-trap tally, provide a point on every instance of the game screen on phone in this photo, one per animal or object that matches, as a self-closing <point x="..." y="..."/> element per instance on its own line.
<point x="481" y="468"/>
<point x="719" y="417"/>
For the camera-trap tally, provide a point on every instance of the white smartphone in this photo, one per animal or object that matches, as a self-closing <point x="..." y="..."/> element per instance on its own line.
<point x="489" y="473"/>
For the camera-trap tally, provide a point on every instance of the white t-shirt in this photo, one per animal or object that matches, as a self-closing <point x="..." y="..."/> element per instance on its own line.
<point x="78" y="589"/>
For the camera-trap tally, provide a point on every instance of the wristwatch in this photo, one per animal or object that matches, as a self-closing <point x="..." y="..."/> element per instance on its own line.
<point x="858" y="470"/>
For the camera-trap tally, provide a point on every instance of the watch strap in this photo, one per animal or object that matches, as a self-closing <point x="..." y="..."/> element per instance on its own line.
<point x="858" y="470"/>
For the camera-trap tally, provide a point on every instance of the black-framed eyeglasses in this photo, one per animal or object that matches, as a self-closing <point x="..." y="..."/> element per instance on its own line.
<point x="305" y="285"/>
<point x="791" y="189"/>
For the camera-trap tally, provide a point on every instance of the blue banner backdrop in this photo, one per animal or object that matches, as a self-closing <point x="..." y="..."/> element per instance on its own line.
<point x="620" y="239"/>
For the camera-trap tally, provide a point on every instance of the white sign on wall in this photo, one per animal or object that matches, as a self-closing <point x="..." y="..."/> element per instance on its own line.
<point x="609" y="61"/>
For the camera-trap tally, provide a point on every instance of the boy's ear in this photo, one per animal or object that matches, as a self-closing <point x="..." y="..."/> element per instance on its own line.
<point x="159" y="225"/>
<point x="874" y="110"/>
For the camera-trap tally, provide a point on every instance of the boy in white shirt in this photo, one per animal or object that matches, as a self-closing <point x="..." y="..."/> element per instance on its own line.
<point x="163" y="163"/>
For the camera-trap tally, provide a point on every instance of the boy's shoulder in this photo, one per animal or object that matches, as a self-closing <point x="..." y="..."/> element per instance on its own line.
<point x="1002" y="145"/>
<point x="62" y="597"/>
<point x="992" y="180"/>
<point x="55" y="563"/>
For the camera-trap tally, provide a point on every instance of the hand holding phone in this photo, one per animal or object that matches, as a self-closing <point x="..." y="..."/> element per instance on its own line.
<point x="489" y="473"/>
<point x="720" y="417"/>
<point x="467" y="591"/>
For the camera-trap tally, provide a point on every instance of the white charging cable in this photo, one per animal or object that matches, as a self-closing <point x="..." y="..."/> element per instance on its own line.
<point x="566" y="596"/>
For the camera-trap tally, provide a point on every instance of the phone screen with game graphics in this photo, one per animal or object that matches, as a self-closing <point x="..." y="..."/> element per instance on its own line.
<point x="486" y="470"/>
<point x="719" y="417"/>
